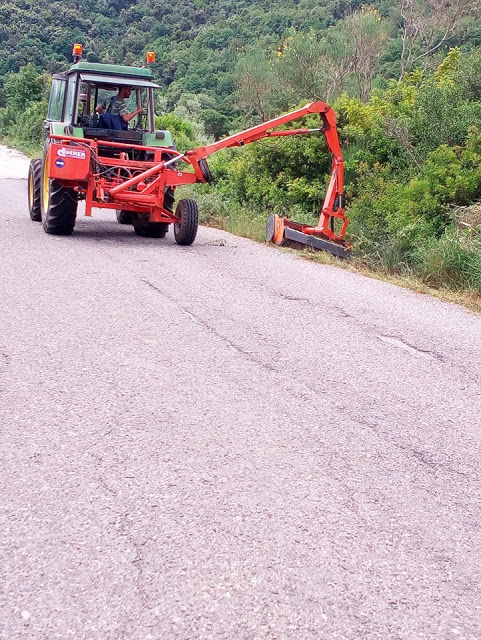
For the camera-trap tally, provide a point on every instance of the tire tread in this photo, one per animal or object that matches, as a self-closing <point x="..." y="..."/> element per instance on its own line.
<point x="186" y="230"/>
<point x="35" y="173"/>
<point x="124" y="217"/>
<point x="62" y="211"/>
<point x="146" y="229"/>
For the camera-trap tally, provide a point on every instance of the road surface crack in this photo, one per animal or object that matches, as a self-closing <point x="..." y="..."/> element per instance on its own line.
<point x="5" y="359"/>
<point x="285" y="296"/>
<point x="247" y="354"/>
<point x="433" y="463"/>
<point x="213" y="331"/>
<point x="412" y="349"/>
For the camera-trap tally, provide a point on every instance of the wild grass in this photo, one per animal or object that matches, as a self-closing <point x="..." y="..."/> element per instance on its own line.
<point x="451" y="262"/>
<point x="29" y="148"/>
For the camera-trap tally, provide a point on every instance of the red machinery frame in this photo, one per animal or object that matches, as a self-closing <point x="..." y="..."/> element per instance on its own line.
<point x="122" y="183"/>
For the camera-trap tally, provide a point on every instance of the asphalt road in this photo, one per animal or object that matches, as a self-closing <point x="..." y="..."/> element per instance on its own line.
<point x="225" y="441"/>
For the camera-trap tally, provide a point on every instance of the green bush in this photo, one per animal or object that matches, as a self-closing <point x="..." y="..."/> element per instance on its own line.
<point x="22" y="119"/>
<point x="184" y="132"/>
<point x="30" y="125"/>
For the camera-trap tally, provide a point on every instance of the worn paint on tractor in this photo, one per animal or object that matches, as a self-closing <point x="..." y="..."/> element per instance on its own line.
<point x="137" y="169"/>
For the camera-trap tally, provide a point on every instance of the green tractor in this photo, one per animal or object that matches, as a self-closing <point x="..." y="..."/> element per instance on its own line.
<point x="87" y="150"/>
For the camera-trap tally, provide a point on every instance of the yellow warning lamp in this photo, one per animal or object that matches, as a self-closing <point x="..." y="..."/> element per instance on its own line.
<point x="150" y="57"/>
<point x="77" y="52"/>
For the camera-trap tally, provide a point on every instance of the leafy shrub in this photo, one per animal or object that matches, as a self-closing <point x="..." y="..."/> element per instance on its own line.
<point x="30" y="125"/>
<point x="184" y="132"/>
<point x="22" y="119"/>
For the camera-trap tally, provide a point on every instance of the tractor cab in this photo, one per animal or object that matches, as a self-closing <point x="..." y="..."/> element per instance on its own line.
<point x="75" y="95"/>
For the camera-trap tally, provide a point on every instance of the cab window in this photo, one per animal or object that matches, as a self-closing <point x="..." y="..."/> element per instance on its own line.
<point x="137" y="98"/>
<point x="70" y="105"/>
<point x="57" y="94"/>
<point x="105" y="93"/>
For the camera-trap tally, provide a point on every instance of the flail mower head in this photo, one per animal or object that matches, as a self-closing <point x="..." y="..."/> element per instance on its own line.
<point x="286" y="233"/>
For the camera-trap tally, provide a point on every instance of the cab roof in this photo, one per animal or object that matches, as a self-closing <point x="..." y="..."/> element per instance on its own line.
<point x="111" y="70"/>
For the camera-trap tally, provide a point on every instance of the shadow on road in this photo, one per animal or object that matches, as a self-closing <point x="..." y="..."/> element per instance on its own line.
<point x="103" y="231"/>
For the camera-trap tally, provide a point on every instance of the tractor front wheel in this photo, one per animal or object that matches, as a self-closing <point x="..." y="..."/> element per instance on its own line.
<point x="34" y="188"/>
<point x="124" y="217"/>
<point x="186" y="230"/>
<point x="146" y="229"/>
<point x="58" y="204"/>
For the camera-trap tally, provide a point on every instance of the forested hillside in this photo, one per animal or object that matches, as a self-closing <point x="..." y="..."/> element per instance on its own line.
<point x="202" y="45"/>
<point x="404" y="77"/>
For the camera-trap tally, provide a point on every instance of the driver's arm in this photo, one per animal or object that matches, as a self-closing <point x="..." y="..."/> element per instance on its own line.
<point x="127" y="117"/>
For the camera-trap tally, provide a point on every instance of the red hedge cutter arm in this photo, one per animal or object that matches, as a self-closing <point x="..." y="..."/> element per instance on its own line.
<point x="282" y="230"/>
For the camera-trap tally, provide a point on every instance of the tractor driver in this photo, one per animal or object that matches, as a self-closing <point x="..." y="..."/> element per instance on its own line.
<point x="116" y="106"/>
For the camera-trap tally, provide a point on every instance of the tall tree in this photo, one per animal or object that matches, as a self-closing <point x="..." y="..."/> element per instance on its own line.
<point x="256" y="83"/>
<point x="428" y="24"/>
<point x="367" y="35"/>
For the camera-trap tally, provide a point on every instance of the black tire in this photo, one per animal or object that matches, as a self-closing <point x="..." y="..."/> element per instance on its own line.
<point x="143" y="227"/>
<point x="186" y="230"/>
<point x="169" y="199"/>
<point x="146" y="229"/>
<point x="124" y="217"/>
<point x="34" y="186"/>
<point x="206" y="172"/>
<point x="58" y="204"/>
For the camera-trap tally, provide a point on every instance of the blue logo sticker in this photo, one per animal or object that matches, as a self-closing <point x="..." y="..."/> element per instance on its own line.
<point x="60" y="163"/>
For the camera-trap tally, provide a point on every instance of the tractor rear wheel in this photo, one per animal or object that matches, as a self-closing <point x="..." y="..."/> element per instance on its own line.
<point x="186" y="230"/>
<point x="124" y="217"/>
<point x="58" y="204"/>
<point x="146" y="229"/>
<point x="34" y="187"/>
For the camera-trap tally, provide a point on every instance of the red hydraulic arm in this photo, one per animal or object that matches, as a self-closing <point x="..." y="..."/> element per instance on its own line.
<point x="333" y="206"/>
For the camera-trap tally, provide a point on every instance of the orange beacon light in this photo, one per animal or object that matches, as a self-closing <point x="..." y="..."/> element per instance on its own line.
<point x="77" y="52"/>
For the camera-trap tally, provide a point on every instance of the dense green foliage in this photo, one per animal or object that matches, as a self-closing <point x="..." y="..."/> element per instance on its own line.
<point x="202" y="45"/>
<point x="412" y="154"/>
<point x="407" y="98"/>
<point x="22" y="119"/>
